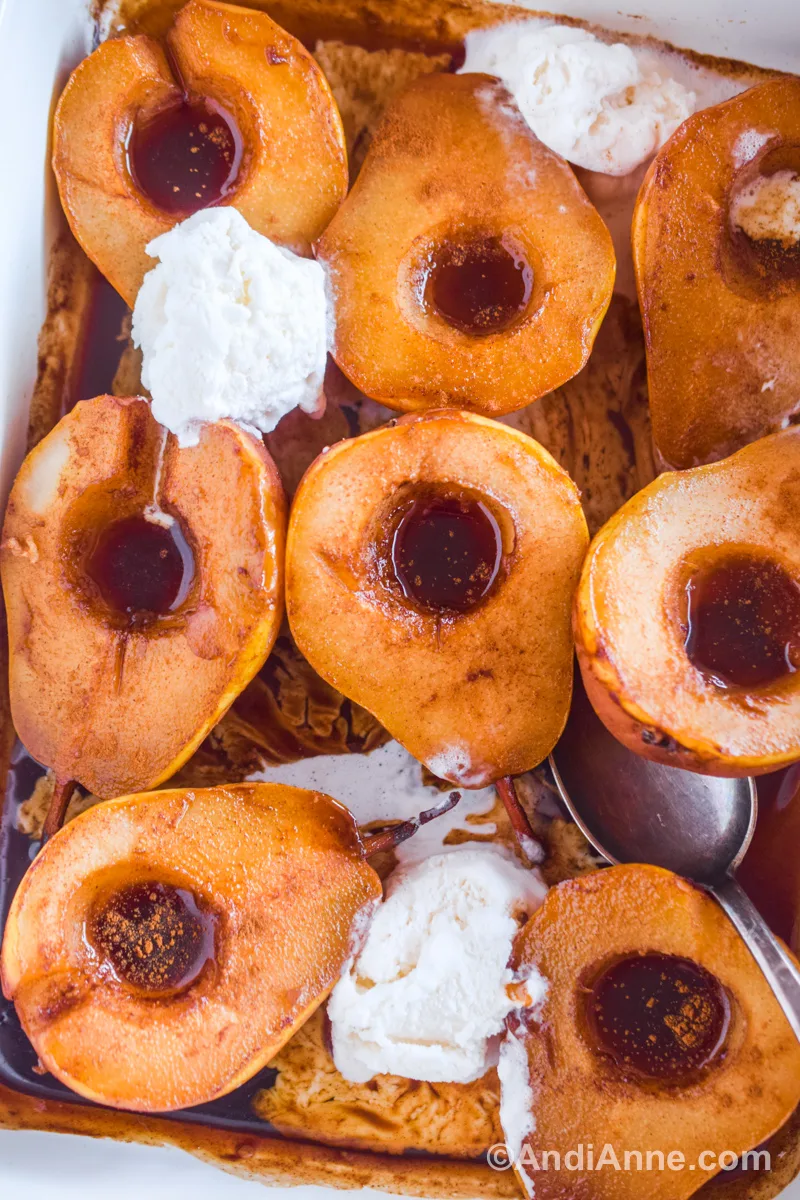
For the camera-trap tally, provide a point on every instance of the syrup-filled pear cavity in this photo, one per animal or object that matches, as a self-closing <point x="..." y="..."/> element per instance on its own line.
<point x="687" y="618"/>
<point x="658" y="1036"/>
<point x="468" y="267"/>
<point x="143" y="587"/>
<point x="164" y="946"/>
<point x="430" y="570"/>
<point x="717" y="257"/>
<point x="233" y="111"/>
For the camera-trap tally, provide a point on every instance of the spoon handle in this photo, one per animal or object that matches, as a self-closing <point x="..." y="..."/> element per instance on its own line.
<point x="781" y="973"/>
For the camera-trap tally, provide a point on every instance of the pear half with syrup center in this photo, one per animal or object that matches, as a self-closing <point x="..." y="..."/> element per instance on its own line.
<point x="164" y="946"/>
<point x="431" y="566"/>
<point x="658" y="1033"/>
<point x="467" y="265"/>
<point x="143" y="587"/>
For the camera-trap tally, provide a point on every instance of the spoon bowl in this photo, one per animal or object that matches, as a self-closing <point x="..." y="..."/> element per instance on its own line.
<point x="635" y="810"/>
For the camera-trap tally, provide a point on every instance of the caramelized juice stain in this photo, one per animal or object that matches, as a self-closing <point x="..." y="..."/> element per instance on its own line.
<point x="445" y="551"/>
<point x="658" y="1016"/>
<point x="185" y="156"/>
<point x="478" y="285"/>
<point x="142" y="570"/>
<point x="155" y="937"/>
<point x="743" y="621"/>
<point x="101" y="344"/>
<point x="770" y="873"/>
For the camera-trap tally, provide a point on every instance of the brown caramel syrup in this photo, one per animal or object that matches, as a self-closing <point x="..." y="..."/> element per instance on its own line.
<point x="185" y="156"/>
<point x="770" y="873"/>
<point x="142" y="570"/>
<point x="479" y="286"/>
<point x="659" y="1016"/>
<point x="743" y="621"/>
<point x="761" y="267"/>
<point x="101" y="344"/>
<point x="446" y="552"/>
<point x="155" y="937"/>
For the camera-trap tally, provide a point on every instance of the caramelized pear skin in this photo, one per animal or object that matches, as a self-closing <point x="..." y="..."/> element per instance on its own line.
<point x="100" y="696"/>
<point x="474" y="695"/>
<point x="631" y="620"/>
<point x="280" y="875"/>
<point x="633" y="915"/>
<point x="293" y="170"/>
<point x="721" y="312"/>
<point x="453" y="167"/>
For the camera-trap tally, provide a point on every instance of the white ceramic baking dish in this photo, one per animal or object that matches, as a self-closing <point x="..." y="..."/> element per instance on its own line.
<point x="40" y="41"/>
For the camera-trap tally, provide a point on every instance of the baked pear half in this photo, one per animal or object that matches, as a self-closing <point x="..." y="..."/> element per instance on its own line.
<point x="164" y="946"/>
<point x="720" y="298"/>
<point x="659" y="1035"/>
<point x="687" y="617"/>
<point x="143" y="586"/>
<point x="431" y="566"/>
<point x="232" y="110"/>
<point x="467" y="265"/>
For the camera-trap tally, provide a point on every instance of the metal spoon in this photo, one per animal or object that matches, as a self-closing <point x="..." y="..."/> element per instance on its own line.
<point x="636" y="811"/>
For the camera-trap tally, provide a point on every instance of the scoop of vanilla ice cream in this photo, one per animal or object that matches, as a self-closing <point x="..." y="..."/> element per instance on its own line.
<point x="430" y="985"/>
<point x="603" y="107"/>
<point x="230" y="325"/>
<point x="769" y="208"/>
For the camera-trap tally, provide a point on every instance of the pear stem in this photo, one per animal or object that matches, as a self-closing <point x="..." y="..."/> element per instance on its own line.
<point x="387" y="839"/>
<point x="528" y="842"/>
<point x="62" y="794"/>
